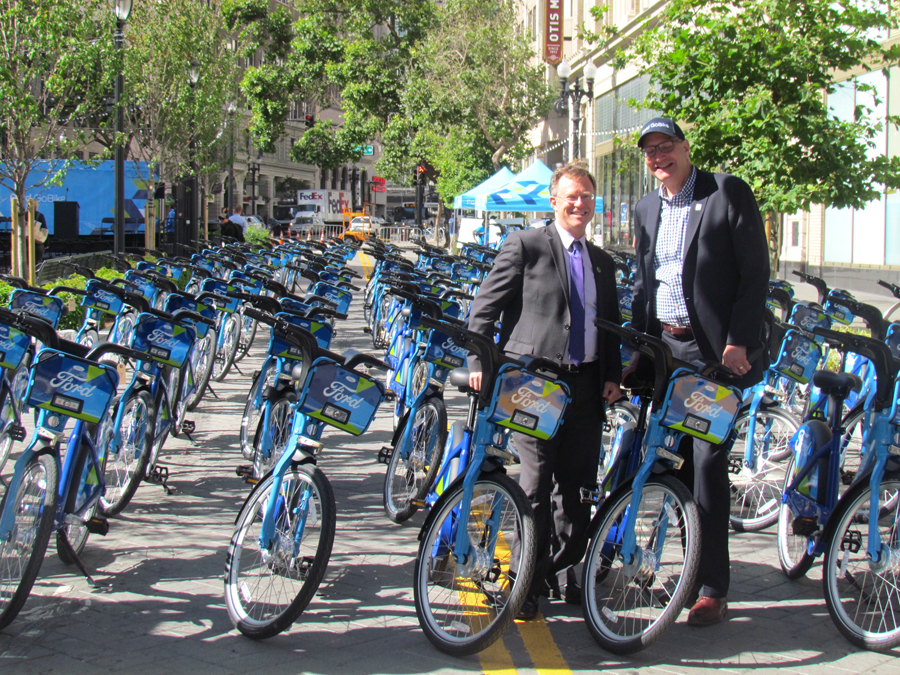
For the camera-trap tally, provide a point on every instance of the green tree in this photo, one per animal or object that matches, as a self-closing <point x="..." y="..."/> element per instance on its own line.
<point x="57" y="64"/>
<point x="751" y="79"/>
<point x="346" y="54"/>
<point x="163" y="111"/>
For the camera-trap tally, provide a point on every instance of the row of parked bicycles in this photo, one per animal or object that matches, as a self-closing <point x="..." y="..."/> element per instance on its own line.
<point x="816" y="451"/>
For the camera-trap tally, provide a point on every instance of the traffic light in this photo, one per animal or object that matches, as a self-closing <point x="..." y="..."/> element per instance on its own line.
<point x="420" y="175"/>
<point x="310" y="121"/>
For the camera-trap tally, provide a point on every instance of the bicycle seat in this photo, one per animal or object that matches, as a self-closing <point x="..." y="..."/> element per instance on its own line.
<point x="459" y="378"/>
<point x="839" y="384"/>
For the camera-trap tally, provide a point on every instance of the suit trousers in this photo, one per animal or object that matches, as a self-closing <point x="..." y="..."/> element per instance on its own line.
<point x="570" y="458"/>
<point x="705" y="473"/>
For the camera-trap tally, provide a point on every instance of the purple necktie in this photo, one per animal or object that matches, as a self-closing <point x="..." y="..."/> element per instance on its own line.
<point x="576" y="306"/>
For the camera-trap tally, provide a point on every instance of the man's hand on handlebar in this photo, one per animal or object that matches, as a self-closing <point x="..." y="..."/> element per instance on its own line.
<point x="475" y="381"/>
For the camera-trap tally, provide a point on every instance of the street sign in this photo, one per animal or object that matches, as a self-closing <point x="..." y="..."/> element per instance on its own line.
<point x="365" y="149"/>
<point x="623" y="216"/>
<point x="378" y="180"/>
<point x="378" y="188"/>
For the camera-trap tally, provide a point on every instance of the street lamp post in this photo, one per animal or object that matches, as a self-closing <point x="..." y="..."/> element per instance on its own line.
<point x="253" y="169"/>
<point x="191" y="231"/>
<point x="576" y="93"/>
<point x="122" y="10"/>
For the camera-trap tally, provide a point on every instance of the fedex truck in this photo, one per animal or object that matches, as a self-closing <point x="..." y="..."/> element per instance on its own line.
<point x="329" y="205"/>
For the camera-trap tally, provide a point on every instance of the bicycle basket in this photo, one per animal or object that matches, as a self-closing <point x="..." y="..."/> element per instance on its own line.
<point x="442" y="351"/>
<point x="71" y="386"/>
<point x="700" y="407"/>
<point x="528" y="403"/>
<point x="221" y="288"/>
<point x="281" y="347"/>
<point x="798" y="358"/>
<point x="340" y="397"/>
<point x="835" y="308"/>
<point x="294" y="305"/>
<point x="13" y="345"/>
<point x="176" y="301"/>
<point x="145" y="287"/>
<point x="625" y="296"/>
<point x="808" y="317"/>
<point x="336" y="295"/>
<point x="47" y="307"/>
<point x="163" y="341"/>
<point x="100" y="299"/>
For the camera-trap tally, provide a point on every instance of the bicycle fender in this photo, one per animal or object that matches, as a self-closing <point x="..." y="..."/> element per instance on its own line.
<point x="432" y="514"/>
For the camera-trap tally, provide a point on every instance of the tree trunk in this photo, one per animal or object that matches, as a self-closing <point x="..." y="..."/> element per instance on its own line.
<point x="773" y="237"/>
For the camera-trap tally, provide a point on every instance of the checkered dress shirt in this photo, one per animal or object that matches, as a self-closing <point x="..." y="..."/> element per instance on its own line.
<point x="669" y="257"/>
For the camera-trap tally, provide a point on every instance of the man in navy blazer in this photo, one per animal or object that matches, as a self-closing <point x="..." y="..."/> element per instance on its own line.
<point x="531" y="289"/>
<point x="701" y="283"/>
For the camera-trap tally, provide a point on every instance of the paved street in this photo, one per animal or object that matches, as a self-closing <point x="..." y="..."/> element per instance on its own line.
<point x="162" y="607"/>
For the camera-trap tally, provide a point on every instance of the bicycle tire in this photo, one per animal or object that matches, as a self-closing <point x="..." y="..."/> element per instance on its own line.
<point x="408" y="482"/>
<point x="464" y="612"/>
<point x="22" y="556"/>
<point x="89" y="338"/>
<point x="247" y="335"/>
<point x="281" y="418"/>
<point x="252" y="414"/>
<point x="891" y="311"/>
<point x="9" y="416"/>
<point x="270" y="578"/>
<point x="862" y="596"/>
<point x="756" y="495"/>
<point x="793" y="549"/>
<point x="222" y="363"/>
<point x="125" y="469"/>
<point x="205" y="350"/>
<point x="175" y="385"/>
<point x="626" y="612"/>
<point x="617" y="414"/>
<point x="161" y="429"/>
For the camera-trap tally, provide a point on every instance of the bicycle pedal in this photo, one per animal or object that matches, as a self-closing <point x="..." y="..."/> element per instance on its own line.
<point x="390" y="396"/>
<point x="803" y="526"/>
<point x="847" y="477"/>
<point x="384" y="455"/>
<point x="16" y="432"/>
<point x="244" y="470"/>
<point x="591" y="496"/>
<point x="97" y="525"/>
<point x="418" y="503"/>
<point x="250" y="480"/>
<point x="367" y="330"/>
<point x="187" y="427"/>
<point x="159" y="475"/>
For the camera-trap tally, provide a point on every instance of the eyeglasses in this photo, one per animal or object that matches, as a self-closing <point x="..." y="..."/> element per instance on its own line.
<point x="573" y="199"/>
<point x="665" y="148"/>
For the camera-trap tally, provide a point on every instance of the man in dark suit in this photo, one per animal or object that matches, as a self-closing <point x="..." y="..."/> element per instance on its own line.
<point x="546" y="287"/>
<point x="701" y="282"/>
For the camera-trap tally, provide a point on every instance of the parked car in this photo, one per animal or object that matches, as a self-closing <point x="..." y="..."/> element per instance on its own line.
<point x="255" y="220"/>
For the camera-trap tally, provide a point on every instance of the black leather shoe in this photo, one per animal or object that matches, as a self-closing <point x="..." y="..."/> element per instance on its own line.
<point x="529" y="609"/>
<point x="572" y="594"/>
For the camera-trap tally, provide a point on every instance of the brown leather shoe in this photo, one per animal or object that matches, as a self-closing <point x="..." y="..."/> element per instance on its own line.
<point x="708" y="611"/>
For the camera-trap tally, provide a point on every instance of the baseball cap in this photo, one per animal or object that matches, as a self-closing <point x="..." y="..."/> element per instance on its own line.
<point x="661" y="125"/>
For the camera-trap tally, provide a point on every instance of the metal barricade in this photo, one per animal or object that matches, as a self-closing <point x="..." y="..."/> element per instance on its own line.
<point x="398" y="234"/>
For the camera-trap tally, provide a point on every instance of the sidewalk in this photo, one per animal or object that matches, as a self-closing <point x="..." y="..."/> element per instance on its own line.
<point x="162" y="609"/>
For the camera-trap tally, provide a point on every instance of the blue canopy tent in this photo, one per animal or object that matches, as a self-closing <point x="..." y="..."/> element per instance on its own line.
<point x="528" y="191"/>
<point x="467" y="199"/>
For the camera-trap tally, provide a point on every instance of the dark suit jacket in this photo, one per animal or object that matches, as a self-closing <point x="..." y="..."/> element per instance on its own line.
<point x="726" y="268"/>
<point x="528" y="290"/>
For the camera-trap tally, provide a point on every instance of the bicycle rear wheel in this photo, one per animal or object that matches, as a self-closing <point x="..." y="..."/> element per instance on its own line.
<point x="409" y="480"/>
<point x="202" y="358"/>
<point x="231" y="328"/>
<point x="463" y="609"/>
<point x="862" y="596"/>
<point x="793" y="549"/>
<point x="266" y="589"/>
<point x="9" y="416"/>
<point x="252" y="412"/>
<point x="22" y="554"/>
<point x="627" y="607"/>
<point x="756" y="493"/>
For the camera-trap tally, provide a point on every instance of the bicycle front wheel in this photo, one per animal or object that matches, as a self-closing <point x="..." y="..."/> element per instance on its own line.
<point x="409" y="480"/>
<point x="863" y="597"/>
<point x="9" y="416"/>
<point x="202" y="358"/>
<point x="627" y="607"/>
<point x="793" y="548"/>
<point x="231" y="328"/>
<point x="266" y="589"/>
<point x="464" y="608"/>
<point x="22" y="554"/>
<point x="756" y="493"/>
<point x="126" y="464"/>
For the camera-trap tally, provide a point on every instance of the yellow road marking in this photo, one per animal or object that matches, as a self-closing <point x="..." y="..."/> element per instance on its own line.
<point x="366" y="263"/>
<point x="545" y="655"/>
<point x="496" y="660"/>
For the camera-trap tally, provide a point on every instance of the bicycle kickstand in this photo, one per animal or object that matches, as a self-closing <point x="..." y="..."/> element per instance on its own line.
<point x="63" y="539"/>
